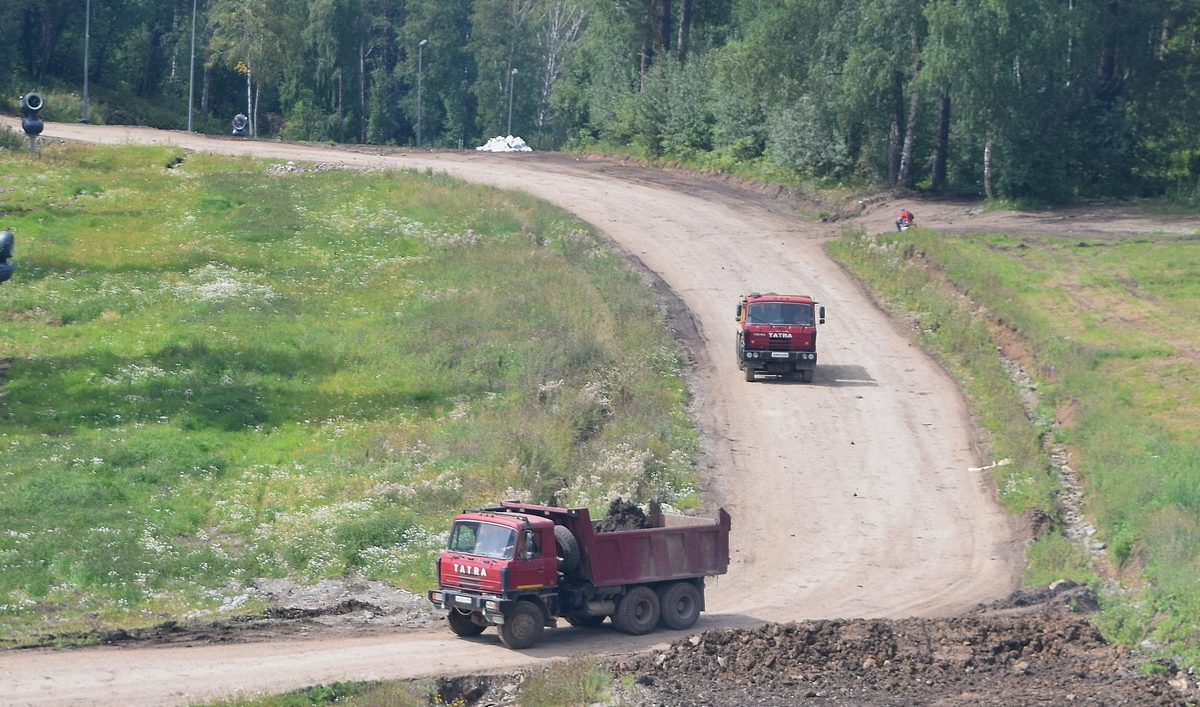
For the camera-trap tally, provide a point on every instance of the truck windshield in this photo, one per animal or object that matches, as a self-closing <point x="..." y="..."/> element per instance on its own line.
<point x="780" y="313"/>
<point x="484" y="539"/>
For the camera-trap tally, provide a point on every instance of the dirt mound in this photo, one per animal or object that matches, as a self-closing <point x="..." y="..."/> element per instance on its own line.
<point x="1061" y="598"/>
<point x="1013" y="661"/>
<point x="623" y="515"/>
<point x="1004" y="660"/>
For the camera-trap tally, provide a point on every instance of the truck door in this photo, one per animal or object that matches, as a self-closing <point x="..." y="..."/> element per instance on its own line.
<point x="536" y="563"/>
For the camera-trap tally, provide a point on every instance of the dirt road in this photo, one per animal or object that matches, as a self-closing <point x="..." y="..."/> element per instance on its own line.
<point x="851" y="496"/>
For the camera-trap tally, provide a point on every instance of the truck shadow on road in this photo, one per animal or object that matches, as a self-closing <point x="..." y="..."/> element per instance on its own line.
<point x="831" y="377"/>
<point x="567" y="640"/>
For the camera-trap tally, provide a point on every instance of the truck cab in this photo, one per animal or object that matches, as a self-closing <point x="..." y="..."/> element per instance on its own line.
<point x="777" y="334"/>
<point x="491" y="560"/>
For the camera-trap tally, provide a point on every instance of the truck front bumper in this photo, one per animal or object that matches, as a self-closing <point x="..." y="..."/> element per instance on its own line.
<point x="490" y="606"/>
<point x="778" y="360"/>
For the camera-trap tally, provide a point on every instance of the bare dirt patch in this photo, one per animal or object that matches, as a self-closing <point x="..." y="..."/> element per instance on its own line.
<point x="1101" y="222"/>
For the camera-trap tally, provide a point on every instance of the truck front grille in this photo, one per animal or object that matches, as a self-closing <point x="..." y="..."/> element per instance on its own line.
<point x="779" y="344"/>
<point x="469" y="583"/>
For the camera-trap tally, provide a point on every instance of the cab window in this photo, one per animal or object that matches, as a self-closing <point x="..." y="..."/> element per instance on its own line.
<point x="483" y="539"/>
<point x="780" y="313"/>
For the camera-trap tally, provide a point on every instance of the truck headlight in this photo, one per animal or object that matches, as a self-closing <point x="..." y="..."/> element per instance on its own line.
<point x="491" y="605"/>
<point x="437" y="597"/>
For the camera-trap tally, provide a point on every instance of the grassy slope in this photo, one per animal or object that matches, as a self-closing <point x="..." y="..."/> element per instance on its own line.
<point x="1110" y="327"/>
<point x="216" y="373"/>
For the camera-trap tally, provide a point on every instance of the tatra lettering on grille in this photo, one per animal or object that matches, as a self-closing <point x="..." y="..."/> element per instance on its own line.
<point x="471" y="570"/>
<point x="780" y="335"/>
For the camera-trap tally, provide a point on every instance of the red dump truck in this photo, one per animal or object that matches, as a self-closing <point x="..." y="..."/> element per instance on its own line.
<point x="519" y="567"/>
<point x="777" y="334"/>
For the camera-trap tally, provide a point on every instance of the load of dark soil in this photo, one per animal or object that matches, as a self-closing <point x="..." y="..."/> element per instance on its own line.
<point x="623" y="515"/>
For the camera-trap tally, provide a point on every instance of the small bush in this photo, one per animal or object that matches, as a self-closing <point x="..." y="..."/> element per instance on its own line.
<point x="12" y="140"/>
<point x="578" y="682"/>
<point x="381" y="530"/>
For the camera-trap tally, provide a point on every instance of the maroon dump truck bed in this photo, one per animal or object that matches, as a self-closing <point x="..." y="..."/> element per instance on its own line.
<point x="682" y="547"/>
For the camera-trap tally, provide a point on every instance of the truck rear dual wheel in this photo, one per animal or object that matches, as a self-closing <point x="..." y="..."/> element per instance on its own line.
<point x="462" y="625"/>
<point x="680" y="605"/>
<point x="638" y="612"/>
<point x="522" y="625"/>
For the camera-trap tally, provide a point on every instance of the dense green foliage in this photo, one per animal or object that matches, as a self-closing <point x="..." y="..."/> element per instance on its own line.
<point x="212" y="372"/>
<point x="1110" y="326"/>
<point x="1026" y="99"/>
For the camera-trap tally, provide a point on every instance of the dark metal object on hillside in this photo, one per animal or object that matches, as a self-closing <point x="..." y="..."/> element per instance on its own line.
<point x="31" y="103"/>
<point x="6" y="253"/>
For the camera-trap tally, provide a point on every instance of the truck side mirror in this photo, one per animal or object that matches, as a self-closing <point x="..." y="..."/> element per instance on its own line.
<point x="530" y="546"/>
<point x="738" y="317"/>
<point x="822" y="315"/>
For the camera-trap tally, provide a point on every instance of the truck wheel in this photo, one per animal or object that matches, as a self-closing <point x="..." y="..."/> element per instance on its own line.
<point x="522" y="625"/>
<point x="462" y="625"/>
<point x="568" y="549"/>
<point x="749" y="371"/>
<point x="586" y="621"/>
<point x="806" y="375"/>
<point x="637" y="614"/>
<point x="680" y="605"/>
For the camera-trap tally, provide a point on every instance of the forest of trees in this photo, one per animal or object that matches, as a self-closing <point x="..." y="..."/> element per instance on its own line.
<point x="1027" y="99"/>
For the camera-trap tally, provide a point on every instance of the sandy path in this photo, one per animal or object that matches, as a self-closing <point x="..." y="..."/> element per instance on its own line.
<point x="850" y="496"/>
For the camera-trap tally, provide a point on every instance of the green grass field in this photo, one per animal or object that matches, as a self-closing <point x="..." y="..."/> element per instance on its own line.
<point x="215" y="371"/>
<point x="1108" y="330"/>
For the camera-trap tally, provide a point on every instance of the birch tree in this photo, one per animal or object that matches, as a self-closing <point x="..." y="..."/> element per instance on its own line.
<point x="562" y="22"/>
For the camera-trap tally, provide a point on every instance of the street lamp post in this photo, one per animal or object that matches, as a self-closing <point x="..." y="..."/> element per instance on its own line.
<point x="420" y="61"/>
<point x="511" y="76"/>
<point x="87" y="38"/>
<point x="192" y="68"/>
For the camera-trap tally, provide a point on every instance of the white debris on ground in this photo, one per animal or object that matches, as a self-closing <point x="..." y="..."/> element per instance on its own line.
<point x="292" y="168"/>
<point x="505" y="144"/>
<point x="332" y="602"/>
<point x="352" y="599"/>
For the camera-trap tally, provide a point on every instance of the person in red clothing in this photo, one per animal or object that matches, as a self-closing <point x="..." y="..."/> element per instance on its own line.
<point x="905" y="219"/>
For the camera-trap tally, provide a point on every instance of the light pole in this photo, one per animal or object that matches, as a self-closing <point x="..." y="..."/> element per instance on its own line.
<point x="420" y="61"/>
<point x="87" y="38"/>
<point x="511" y="76"/>
<point x="192" y="68"/>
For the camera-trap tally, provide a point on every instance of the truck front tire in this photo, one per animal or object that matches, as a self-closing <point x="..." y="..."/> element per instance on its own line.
<point x="462" y="625"/>
<point x="680" y="605"/>
<point x="638" y="612"/>
<point x="522" y="625"/>
<point x="749" y="371"/>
